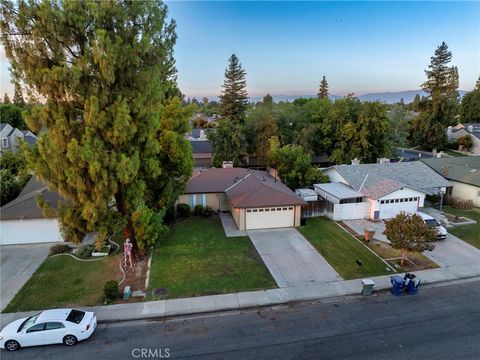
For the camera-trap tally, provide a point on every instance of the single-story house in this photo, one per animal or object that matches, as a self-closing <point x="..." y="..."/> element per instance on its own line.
<point x="23" y="222"/>
<point x="202" y="154"/>
<point x="463" y="173"/>
<point x="472" y="129"/>
<point x="379" y="191"/>
<point x="255" y="199"/>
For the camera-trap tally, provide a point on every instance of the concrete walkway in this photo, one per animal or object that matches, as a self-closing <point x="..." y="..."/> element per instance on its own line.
<point x="236" y="301"/>
<point x="17" y="265"/>
<point x="360" y="225"/>
<point x="290" y="258"/>
<point x="229" y="226"/>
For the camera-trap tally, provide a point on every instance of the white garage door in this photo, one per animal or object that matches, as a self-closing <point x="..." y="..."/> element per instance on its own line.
<point x="269" y="218"/>
<point x="391" y="208"/>
<point x="29" y="231"/>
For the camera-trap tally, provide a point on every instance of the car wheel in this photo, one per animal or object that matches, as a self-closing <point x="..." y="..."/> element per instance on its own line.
<point x="70" y="340"/>
<point x="12" y="345"/>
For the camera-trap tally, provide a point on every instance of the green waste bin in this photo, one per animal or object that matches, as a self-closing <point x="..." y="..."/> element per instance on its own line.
<point x="367" y="287"/>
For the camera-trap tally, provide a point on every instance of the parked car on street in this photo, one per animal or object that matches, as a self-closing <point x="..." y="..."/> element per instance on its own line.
<point x="57" y="326"/>
<point x="432" y="222"/>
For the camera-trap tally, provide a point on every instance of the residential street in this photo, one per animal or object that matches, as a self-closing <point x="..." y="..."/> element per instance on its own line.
<point x="442" y="322"/>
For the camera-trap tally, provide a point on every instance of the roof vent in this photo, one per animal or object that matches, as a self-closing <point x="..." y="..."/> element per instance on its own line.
<point x="470" y="128"/>
<point x="355" y="161"/>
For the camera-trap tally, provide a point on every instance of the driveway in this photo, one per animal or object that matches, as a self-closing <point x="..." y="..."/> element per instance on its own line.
<point x="448" y="252"/>
<point x="18" y="263"/>
<point x="290" y="258"/>
<point x="454" y="251"/>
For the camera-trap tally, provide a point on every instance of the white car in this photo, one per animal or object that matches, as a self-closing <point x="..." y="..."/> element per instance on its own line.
<point x="67" y="326"/>
<point x="430" y="221"/>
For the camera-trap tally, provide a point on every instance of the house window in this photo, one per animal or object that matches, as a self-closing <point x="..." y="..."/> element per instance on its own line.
<point x="4" y="143"/>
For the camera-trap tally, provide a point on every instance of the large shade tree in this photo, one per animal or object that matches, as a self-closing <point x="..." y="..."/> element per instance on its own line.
<point x="113" y="143"/>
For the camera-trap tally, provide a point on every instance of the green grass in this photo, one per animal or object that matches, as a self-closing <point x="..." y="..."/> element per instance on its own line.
<point x="341" y="250"/>
<point x="468" y="233"/>
<point x="62" y="281"/>
<point x="196" y="258"/>
<point x="453" y="153"/>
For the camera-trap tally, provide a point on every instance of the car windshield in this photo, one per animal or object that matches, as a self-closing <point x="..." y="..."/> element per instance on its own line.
<point x="431" y="222"/>
<point x="75" y="316"/>
<point x="28" y="322"/>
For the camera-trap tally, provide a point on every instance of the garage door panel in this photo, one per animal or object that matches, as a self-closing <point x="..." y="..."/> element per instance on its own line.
<point x="391" y="210"/>
<point x="269" y="218"/>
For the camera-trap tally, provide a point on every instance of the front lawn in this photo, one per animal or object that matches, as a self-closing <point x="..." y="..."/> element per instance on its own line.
<point x="341" y="249"/>
<point x="468" y="233"/>
<point x="62" y="281"/>
<point x="196" y="258"/>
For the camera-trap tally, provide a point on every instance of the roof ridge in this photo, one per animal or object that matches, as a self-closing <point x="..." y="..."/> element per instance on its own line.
<point x="238" y="182"/>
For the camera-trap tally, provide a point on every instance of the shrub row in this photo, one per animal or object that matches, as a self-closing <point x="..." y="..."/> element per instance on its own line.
<point x="184" y="211"/>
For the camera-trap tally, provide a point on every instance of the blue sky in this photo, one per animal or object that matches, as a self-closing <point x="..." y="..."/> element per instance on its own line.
<point x="286" y="47"/>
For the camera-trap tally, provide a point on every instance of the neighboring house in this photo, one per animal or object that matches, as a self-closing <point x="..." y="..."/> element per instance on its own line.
<point x="23" y="222"/>
<point x="10" y="137"/>
<point x="202" y="154"/>
<point x="197" y="134"/>
<point x="378" y="191"/>
<point x="255" y="199"/>
<point x="472" y="129"/>
<point x="463" y="173"/>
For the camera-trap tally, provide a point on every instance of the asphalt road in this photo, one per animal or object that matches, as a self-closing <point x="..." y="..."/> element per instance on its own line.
<point x="437" y="323"/>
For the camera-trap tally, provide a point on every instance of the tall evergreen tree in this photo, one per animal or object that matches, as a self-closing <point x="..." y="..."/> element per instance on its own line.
<point x="6" y="99"/>
<point x="323" y="90"/>
<point x="234" y="98"/>
<point x="441" y="104"/>
<point x="470" y="107"/>
<point x="17" y="96"/>
<point x="228" y="142"/>
<point x="112" y="129"/>
<point x="267" y="100"/>
<point x="416" y="103"/>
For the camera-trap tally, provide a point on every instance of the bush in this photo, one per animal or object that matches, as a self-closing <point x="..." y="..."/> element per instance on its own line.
<point x="198" y="210"/>
<point x="84" y="251"/>
<point x="208" y="211"/>
<point x="110" y="290"/>
<point x="59" y="249"/>
<point x="183" y="211"/>
<point x="459" y="203"/>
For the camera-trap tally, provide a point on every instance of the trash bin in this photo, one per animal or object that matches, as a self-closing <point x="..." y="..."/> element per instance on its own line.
<point x="411" y="283"/>
<point x="367" y="287"/>
<point x="368" y="234"/>
<point x="398" y="285"/>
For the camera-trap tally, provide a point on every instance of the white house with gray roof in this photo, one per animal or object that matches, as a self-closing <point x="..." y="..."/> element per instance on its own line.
<point x="378" y="191"/>
<point x="11" y="138"/>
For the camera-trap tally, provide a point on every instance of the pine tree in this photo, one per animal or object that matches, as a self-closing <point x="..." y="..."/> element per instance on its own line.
<point x="112" y="130"/>
<point x="470" y="107"/>
<point x="18" y="97"/>
<point x="267" y="100"/>
<point x="6" y="99"/>
<point x="441" y="105"/>
<point x="416" y="103"/>
<point x="234" y="98"/>
<point x="323" y="90"/>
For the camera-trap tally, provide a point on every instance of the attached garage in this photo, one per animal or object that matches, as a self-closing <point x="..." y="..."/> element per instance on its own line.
<point x="269" y="217"/>
<point x="23" y="222"/>
<point x="405" y="200"/>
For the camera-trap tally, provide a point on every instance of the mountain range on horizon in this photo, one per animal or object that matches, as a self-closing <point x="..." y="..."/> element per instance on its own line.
<point x="389" y="97"/>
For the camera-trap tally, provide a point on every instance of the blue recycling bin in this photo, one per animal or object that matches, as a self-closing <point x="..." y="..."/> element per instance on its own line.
<point x="411" y="284"/>
<point x="398" y="285"/>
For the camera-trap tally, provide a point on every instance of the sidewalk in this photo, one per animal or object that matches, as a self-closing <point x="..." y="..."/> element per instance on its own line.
<point x="235" y="301"/>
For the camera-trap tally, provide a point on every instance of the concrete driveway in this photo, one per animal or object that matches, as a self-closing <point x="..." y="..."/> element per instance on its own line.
<point x="454" y="251"/>
<point x="290" y="258"/>
<point x="18" y="263"/>
<point x="449" y="252"/>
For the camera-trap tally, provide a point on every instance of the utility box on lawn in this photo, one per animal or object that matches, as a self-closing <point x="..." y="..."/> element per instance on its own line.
<point x="367" y="287"/>
<point x="127" y="292"/>
<point x="398" y="285"/>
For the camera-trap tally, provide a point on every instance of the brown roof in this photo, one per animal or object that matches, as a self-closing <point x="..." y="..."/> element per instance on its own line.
<point x="244" y="187"/>
<point x="25" y="205"/>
